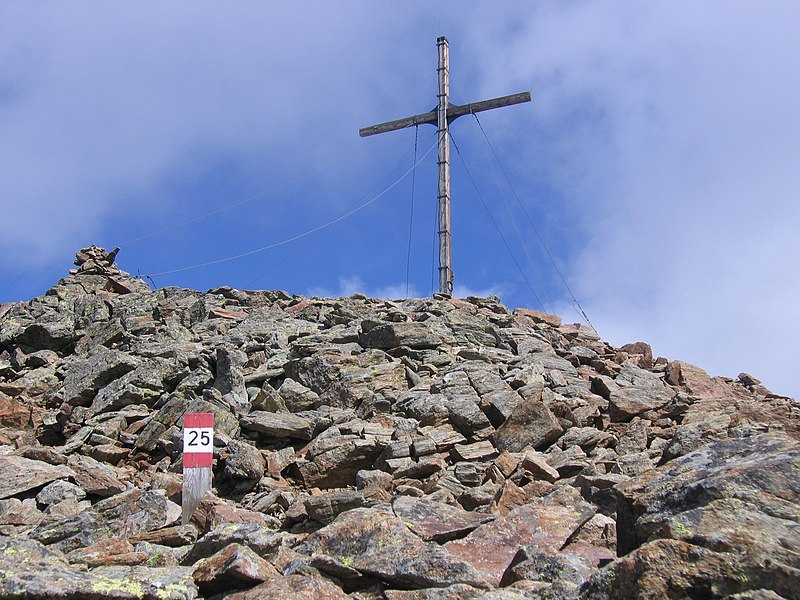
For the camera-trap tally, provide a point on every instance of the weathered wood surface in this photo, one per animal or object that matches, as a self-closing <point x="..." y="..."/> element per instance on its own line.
<point x="453" y="112"/>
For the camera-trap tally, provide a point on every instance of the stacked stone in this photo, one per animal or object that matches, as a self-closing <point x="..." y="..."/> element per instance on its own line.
<point x="423" y="448"/>
<point x="96" y="261"/>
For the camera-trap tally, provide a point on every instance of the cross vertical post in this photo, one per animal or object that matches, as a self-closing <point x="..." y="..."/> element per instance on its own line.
<point x="441" y="116"/>
<point x="443" y="205"/>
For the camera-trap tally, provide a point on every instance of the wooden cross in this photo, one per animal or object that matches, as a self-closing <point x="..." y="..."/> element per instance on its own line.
<point x="442" y="116"/>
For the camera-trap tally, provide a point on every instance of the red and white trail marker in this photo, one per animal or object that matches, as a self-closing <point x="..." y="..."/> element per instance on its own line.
<point x="198" y="454"/>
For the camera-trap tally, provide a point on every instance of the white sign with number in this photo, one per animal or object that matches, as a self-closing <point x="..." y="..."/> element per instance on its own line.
<point x="198" y="439"/>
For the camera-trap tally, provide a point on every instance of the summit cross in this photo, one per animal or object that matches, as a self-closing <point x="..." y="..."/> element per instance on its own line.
<point x="442" y="116"/>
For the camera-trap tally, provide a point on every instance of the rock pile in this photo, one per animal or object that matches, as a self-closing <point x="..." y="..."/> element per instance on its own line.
<point x="424" y="448"/>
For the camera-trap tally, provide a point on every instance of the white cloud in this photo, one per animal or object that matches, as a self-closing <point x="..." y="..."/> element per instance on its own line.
<point x="354" y="284"/>
<point x="101" y="108"/>
<point x="685" y="171"/>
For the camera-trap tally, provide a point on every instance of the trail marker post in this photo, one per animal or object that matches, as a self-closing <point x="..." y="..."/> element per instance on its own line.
<point x="198" y="454"/>
<point x="442" y="116"/>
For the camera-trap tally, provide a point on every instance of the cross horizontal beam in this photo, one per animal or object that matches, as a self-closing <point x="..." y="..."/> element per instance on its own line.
<point x="453" y="112"/>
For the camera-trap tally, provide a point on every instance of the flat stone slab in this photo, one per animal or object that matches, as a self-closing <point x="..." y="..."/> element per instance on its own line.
<point x="375" y="543"/>
<point x="435" y="521"/>
<point x="491" y="548"/>
<point x="280" y="425"/>
<point x="482" y="450"/>
<point x="96" y="477"/>
<point x="23" y="474"/>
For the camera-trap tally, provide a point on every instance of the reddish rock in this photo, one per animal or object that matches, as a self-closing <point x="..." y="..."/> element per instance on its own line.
<point x="213" y="511"/>
<point x="642" y="351"/>
<point x="334" y="461"/>
<point x="536" y="464"/>
<point x="18" y="515"/>
<point x="222" y="313"/>
<point x="110" y="551"/>
<point x="178" y="535"/>
<point x="511" y="496"/>
<point x="536" y="316"/>
<point x="96" y="477"/>
<point x="696" y="381"/>
<point x="492" y="547"/>
<point x="377" y="544"/>
<point x="234" y="567"/>
<point x="13" y="413"/>
<point x="477" y="451"/>
<point x="436" y="521"/>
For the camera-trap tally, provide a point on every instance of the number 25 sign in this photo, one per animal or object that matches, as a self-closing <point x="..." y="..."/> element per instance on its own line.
<point x="198" y="440"/>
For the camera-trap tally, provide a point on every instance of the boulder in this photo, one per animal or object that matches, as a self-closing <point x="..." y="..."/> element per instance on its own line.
<point x="278" y="425"/>
<point x="85" y="378"/>
<point x="435" y="521"/>
<point x="374" y="543"/>
<point x="491" y="548"/>
<point x="125" y="514"/>
<point x="393" y="335"/>
<point x="233" y="567"/>
<point x="732" y="504"/>
<point x="530" y="426"/>
<point x="334" y="461"/>
<point x="23" y="474"/>
<point x="297" y="587"/>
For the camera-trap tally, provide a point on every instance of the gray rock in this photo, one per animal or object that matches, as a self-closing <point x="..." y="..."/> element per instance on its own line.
<point x="171" y="414"/>
<point x="733" y="504"/>
<point x="465" y="416"/>
<point x="372" y="543"/>
<point x="393" y="335"/>
<point x="23" y="474"/>
<point x="334" y="461"/>
<point x="327" y="507"/>
<point x="230" y="380"/>
<point x="32" y="571"/>
<point x="85" y="378"/>
<point x="296" y="396"/>
<point x="60" y="490"/>
<point x="635" y="391"/>
<point x="531" y="425"/>
<point x="258" y="538"/>
<point x="244" y="465"/>
<point x="144" y="385"/>
<point x="126" y="514"/>
<point x="278" y="425"/>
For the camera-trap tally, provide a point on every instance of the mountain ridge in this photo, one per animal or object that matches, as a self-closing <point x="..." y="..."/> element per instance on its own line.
<point x="418" y="448"/>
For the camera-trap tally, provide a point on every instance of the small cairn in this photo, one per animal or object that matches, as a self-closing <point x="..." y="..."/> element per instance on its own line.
<point x="96" y="261"/>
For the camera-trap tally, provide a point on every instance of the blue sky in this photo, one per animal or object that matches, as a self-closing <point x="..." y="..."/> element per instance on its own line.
<point x="658" y="159"/>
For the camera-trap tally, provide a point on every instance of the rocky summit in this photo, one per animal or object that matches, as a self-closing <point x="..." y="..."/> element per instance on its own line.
<point x="413" y="449"/>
